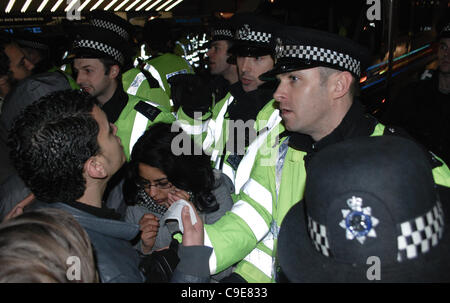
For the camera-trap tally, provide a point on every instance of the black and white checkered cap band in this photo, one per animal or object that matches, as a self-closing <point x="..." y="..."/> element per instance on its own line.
<point x="418" y="235"/>
<point x="110" y="26"/>
<point x="110" y="51"/>
<point x="318" y="234"/>
<point x="32" y="44"/>
<point x="249" y="35"/>
<point x="223" y="32"/>
<point x="320" y="54"/>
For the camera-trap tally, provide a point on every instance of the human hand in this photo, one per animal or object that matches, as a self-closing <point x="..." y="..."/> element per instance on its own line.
<point x="18" y="209"/>
<point x="193" y="234"/>
<point x="149" y="225"/>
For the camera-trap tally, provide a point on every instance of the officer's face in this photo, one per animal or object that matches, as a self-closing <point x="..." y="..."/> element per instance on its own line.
<point x="218" y="56"/>
<point x="19" y="65"/>
<point x="304" y="103"/>
<point x="444" y="55"/>
<point x="250" y="68"/>
<point x="92" y="79"/>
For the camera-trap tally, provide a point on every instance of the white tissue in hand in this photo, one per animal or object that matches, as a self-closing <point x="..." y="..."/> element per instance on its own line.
<point x="174" y="213"/>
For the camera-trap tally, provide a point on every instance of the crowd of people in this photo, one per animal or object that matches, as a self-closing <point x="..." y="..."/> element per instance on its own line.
<point x="266" y="169"/>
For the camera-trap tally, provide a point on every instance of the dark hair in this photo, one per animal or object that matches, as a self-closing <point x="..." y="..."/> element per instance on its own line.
<point x="108" y="63"/>
<point x="188" y="171"/>
<point x="50" y="142"/>
<point x="38" y="246"/>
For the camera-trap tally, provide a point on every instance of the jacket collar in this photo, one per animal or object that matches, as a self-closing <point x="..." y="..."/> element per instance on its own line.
<point x="114" y="106"/>
<point x="111" y="228"/>
<point x="246" y="105"/>
<point x="354" y="124"/>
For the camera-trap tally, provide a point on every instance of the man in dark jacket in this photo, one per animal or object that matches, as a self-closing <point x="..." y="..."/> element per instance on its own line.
<point x="423" y="107"/>
<point x="66" y="151"/>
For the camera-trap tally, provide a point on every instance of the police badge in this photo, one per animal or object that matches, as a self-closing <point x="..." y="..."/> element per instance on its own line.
<point x="244" y="32"/>
<point x="278" y="50"/>
<point x="358" y="222"/>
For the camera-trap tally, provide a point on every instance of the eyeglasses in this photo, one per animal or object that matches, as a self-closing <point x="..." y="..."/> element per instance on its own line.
<point x="161" y="184"/>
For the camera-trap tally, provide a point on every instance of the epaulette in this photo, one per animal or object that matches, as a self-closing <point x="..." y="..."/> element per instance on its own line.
<point x="148" y="110"/>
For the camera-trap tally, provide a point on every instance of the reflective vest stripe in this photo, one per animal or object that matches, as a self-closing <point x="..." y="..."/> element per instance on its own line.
<point x="209" y="140"/>
<point x="227" y="170"/>
<point x="212" y="258"/>
<point x="245" y="167"/>
<point x="253" y="219"/>
<point x="152" y="70"/>
<point x="134" y="86"/>
<point x="260" y="260"/>
<point x="258" y="193"/>
<point x="219" y="128"/>
<point x="193" y="130"/>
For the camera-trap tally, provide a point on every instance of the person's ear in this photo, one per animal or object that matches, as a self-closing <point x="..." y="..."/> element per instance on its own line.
<point x="114" y="71"/>
<point x="95" y="168"/>
<point x="341" y="83"/>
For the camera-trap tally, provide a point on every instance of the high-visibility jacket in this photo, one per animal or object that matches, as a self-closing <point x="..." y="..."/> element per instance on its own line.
<point x="161" y="68"/>
<point x="135" y="118"/>
<point x="213" y="130"/>
<point x="135" y="83"/>
<point x="248" y="233"/>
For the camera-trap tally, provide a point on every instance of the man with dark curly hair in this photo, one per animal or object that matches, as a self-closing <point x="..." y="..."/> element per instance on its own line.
<point x="66" y="151"/>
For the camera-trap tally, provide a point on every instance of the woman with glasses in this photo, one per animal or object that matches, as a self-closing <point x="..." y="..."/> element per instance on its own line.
<point x="158" y="175"/>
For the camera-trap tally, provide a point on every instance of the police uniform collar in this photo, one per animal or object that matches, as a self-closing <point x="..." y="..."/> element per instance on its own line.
<point x="354" y="124"/>
<point x="246" y="105"/>
<point x="114" y="106"/>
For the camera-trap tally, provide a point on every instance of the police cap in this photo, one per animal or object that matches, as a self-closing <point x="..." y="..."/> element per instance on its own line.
<point x="254" y="36"/>
<point x="301" y="48"/>
<point x="112" y="22"/>
<point x="91" y="42"/>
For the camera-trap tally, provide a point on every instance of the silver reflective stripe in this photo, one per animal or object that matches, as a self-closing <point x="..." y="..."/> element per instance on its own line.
<point x="258" y="193"/>
<point x="260" y="260"/>
<point x="134" y="86"/>
<point x="245" y="167"/>
<point x="209" y="140"/>
<point x="212" y="258"/>
<point x="227" y="170"/>
<point x="219" y="127"/>
<point x="282" y="151"/>
<point x="253" y="219"/>
<point x="197" y="129"/>
<point x="150" y="68"/>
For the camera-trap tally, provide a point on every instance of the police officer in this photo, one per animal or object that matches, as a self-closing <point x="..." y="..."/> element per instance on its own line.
<point x="422" y="107"/>
<point x="248" y="101"/>
<point x="318" y="75"/>
<point x="162" y="65"/>
<point x="223" y="73"/>
<point x="99" y="53"/>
